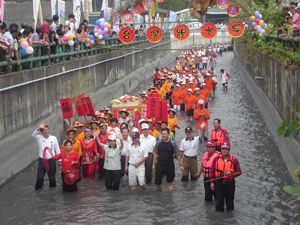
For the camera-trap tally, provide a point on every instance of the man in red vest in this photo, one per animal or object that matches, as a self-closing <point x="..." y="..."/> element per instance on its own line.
<point x="219" y="135"/>
<point x="224" y="171"/>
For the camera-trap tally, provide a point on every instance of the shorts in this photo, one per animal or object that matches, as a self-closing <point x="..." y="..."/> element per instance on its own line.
<point x="136" y="174"/>
<point x="166" y="168"/>
<point x="190" y="113"/>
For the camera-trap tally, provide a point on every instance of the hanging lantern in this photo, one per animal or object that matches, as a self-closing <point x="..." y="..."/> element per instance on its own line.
<point x="208" y="30"/>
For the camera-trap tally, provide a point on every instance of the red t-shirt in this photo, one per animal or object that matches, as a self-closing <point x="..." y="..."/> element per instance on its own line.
<point x="45" y="28"/>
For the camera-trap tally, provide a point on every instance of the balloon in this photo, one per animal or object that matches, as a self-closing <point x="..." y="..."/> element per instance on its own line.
<point x="87" y="40"/>
<point x="257" y="21"/>
<point x="254" y="24"/>
<point x="87" y="44"/>
<point x="91" y="37"/>
<point x="102" y="20"/>
<point x="264" y="25"/>
<point x="29" y="50"/>
<point x="263" y="31"/>
<point x="250" y="22"/>
<point x="259" y="29"/>
<point x="261" y="22"/>
<point x="255" y="27"/>
<point x="92" y="42"/>
<point x="256" y="13"/>
<point x="252" y="18"/>
<point x="98" y="22"/>
<point x="103" y="26"/>
<point x="108" y="26"/>
<point x="23" y="52"/>
<point x="71" y="43"/>
<point x="100" y="36"/>
<point x="70" y="37"/>
<point x="106" y="29"/>
<point x="258" y="16"/>
<point x="24" y="44"/>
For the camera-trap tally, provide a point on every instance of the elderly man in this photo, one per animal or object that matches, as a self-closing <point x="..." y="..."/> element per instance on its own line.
<point x="47" y="146"/>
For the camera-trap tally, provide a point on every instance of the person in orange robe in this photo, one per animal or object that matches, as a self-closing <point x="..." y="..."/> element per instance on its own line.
<point x="209" y="83"/>
<point x="176" y="97"/>
<point x="172" y="121"/>
<point x="190" y="104"/>
<point x="205" y="92"/>
<point x="183" y="91"/>
<point x="202" y="116"/>
<point x="199" y="96"/>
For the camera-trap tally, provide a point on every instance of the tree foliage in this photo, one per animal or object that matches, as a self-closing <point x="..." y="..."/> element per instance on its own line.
<point x="174" y="5"/>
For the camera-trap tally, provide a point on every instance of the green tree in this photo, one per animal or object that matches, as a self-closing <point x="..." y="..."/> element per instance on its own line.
<point x="174" y="5"/>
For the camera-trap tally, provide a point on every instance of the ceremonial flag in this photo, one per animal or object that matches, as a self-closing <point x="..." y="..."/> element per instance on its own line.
<point x="104" y="8"/>
<point x="53" y="7"/>
<point x="66" y="108"/>
<point x="77" y="12"/>
<point x="152" y="9"/>
<point x="1" y="10"/>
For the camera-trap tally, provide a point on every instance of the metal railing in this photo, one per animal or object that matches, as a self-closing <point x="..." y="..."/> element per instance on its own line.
<point x="292" y="42"/>
<point x="50" y="54"/>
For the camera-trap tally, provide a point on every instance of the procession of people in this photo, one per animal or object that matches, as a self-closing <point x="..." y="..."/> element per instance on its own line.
<point x="116" y="146"/>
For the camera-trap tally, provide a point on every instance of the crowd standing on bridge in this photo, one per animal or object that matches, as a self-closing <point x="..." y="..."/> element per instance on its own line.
<point x="111" y="147"/>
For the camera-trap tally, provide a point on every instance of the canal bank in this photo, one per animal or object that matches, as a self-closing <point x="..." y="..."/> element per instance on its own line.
<point x="259" y="195"/>
<point x="31" y="96"/>
<point x="275" y="90"/>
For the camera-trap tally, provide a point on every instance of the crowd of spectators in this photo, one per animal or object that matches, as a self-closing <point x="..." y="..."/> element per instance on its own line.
<point x="291" y="26"/>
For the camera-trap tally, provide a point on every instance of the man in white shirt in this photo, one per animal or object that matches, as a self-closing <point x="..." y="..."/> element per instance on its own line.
<point x="136" y="157"/>
<point x="126" y="142"/>
<point x="149" y="141"/>
<point x="189" y="147"/>
<point x="47" y="146"/>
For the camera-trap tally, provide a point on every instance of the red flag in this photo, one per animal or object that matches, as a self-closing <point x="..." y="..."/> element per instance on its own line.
<point x="81" y="105"/>
<point x="66" y="108"/>
<point x="164" y="110"/>
<point x="152" y="103"/>
<point x="157" y="109"/>
<point x="90" y="106"/>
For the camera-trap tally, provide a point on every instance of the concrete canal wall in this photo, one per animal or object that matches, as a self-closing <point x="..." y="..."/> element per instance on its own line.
<point x="31" y="96"/>
<point x="276" y="91"/>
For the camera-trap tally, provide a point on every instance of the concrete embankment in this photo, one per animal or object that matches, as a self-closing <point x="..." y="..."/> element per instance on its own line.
<point x="276" y="91"/>
<point x="31" y="96"/>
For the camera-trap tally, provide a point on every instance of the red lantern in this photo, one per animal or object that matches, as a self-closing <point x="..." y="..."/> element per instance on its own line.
<point x="236" y="29"/>
<point x="127" y="16"/>
<point x="181" y="32"/>
<point x="233" y="10"/>
<point x="223" y="4"/>
<point x="154" y="34"/>
<point x="126" y="35"/>
<point x="138" y="8"/>
<point x="208" y="30"/>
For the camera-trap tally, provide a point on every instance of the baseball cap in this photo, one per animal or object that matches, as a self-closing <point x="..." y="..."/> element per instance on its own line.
<point x="135" y="135"/>
<point x="188" y="130"/>
<point x="145" y="126"/>
<point x="112" y="137"/>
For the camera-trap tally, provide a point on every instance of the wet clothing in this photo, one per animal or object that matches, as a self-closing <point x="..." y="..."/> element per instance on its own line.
<point x="89" y="149"/>
<point x="42" y="171"/>
<point x="104" y="140"/>
<point x="165" y="152"/>
<point x="224" y="172"/>
<point x="219" y="137"/>
<point x="202" y="116"/>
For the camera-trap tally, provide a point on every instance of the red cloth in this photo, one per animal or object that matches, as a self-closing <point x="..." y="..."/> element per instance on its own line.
<point x="45" y="28"/>
<point x="70" y="161"/>
<point x="89" y="149"/>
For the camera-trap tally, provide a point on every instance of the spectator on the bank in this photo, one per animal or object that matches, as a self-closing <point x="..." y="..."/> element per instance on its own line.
<point x="71" y="22"/>
<point x="67" y="29"/>
<point x="11" y="36"/>
<point x="46" y="28"/>
<point x="37" y="37"/>
<point x="54" y="24"/>
<point x="296" y="18"/>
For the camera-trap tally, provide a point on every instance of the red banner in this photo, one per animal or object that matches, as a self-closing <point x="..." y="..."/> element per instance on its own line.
<point x="138" y="8"/>
<point x="153" y="107"/>
<point x="154" y="34"/>
<point x="127" y="16"/>
<point x="208" y="30"/>
<point x="81" y="105"/>
<point x="90" y="106"/>
<point x="236" y="29"/>
<point x="181" y="32"/>
<point x="126" y="35"/>
<point x="66" y="108"/>
<point x="164" y="110"/>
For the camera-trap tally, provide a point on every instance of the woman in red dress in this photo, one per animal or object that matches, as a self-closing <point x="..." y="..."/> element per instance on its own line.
<point x="89" y="153"/>
<point x="69" y="167"/>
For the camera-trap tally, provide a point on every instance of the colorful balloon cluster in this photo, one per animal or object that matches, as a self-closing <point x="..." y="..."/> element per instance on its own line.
<point x="25" y="49"/>
<point x="257" y="23"/>
<point x="69" y="38"/>
<point x="102" y="30"/>
<point x="89" y="40"/>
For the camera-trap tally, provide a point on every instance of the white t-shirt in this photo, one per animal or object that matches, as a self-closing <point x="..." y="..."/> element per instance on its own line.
<point x="225" y="77"/>
<point x="51" y="143"/>
<point x="125" y="144"/>
<point x="115" y="130"/>
<point x="149" y="142"/>
<point x="204" y="59"/>
<point x="189" y="147"/>
<point x="112" y="158"/>
<point x="136" y="153"/>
